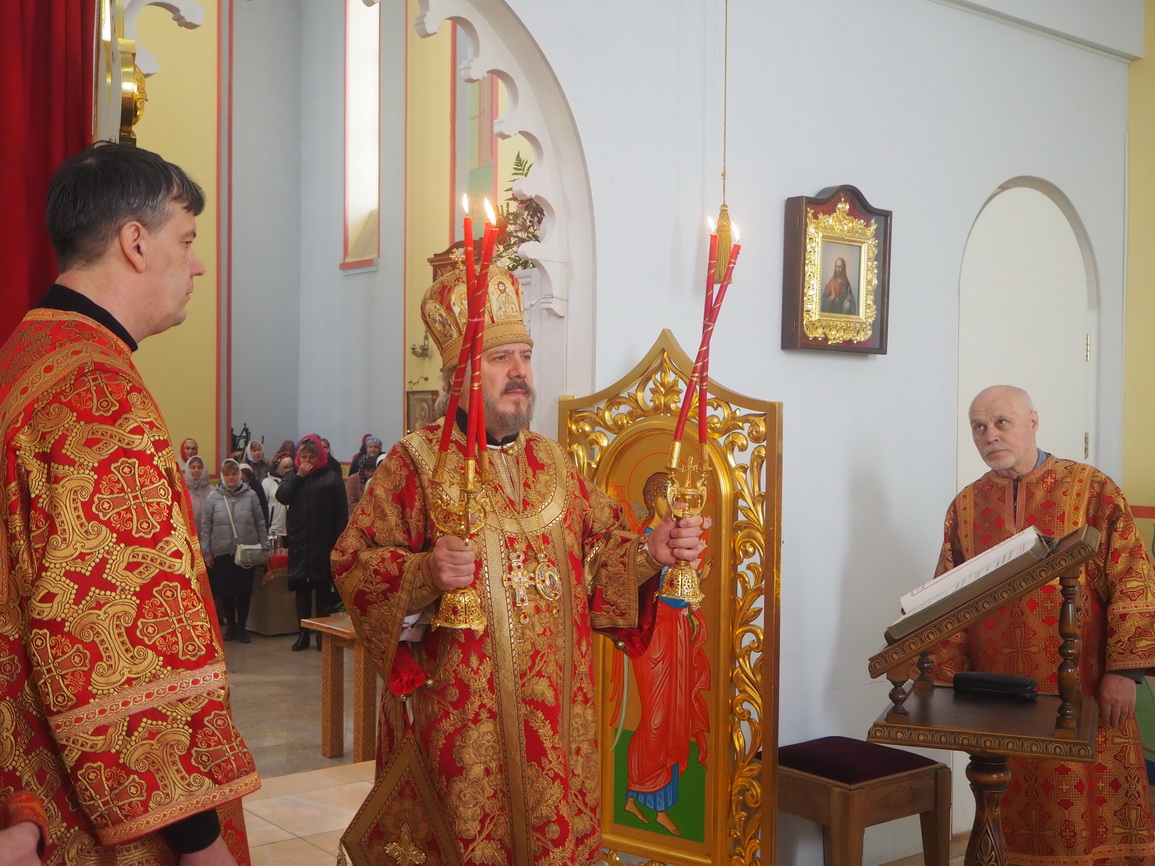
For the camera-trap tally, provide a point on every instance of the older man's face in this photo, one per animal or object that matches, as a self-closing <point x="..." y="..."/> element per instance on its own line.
<point x="507" y="388"/>
<point x="1003" y="427"/>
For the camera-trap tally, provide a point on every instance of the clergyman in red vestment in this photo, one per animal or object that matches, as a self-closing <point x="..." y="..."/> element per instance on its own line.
<point x="114" y="706"/>
<point x="494" y="751"/>
<point x="1056" y="812"/>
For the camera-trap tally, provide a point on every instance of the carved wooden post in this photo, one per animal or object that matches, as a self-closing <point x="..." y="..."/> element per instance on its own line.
<point x="896" y="676"/>
<point x="1065" y="723"/>
<point x="989" y="776"/>
<point x="924" y="664"/>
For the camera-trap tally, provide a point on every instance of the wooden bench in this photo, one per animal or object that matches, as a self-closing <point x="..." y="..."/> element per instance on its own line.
<point x="339" y="636"/>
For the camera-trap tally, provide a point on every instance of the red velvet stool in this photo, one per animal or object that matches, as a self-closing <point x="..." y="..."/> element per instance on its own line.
<point x="848" y="785"/>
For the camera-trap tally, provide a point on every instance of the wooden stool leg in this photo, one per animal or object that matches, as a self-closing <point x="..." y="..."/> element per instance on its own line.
<point x="936" y="822"/>
<point x="843" y="839"/>
<point x="332" y="699"/>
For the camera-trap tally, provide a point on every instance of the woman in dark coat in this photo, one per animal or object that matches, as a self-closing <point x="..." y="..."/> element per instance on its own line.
<point x="317" y="515"/>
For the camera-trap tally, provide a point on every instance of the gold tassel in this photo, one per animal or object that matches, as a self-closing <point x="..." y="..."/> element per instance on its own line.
<point x="724" y="243"/>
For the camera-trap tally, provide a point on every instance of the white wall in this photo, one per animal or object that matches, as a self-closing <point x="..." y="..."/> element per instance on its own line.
<point x="264" y="279"/>
<point x="926" y="108"/>
<point x="315" y="349"/>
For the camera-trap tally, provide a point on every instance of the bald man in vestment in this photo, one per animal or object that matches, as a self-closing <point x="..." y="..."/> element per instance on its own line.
<point x="1058" y="812"/>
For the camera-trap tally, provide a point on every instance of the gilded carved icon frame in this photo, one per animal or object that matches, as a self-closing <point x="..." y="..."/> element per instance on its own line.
<point x="420" y="408"/>
<point x="836" y="273"/>
<point x="619" y="437"/>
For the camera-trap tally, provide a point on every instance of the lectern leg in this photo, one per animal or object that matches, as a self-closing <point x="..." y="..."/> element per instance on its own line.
<point x="989" y="776"/>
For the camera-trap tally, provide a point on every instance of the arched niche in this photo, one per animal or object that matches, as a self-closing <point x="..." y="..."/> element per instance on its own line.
<point x="1028" y="308"/>
<point x="1028" y="301"/>
<point x="559" y="294"/>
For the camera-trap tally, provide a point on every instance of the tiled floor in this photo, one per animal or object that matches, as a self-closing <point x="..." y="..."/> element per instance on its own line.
<point x="277" y="704"/>
<point x="306" y="800"/>
<point x="298" y="820"/>
<point x="958" y="850"/>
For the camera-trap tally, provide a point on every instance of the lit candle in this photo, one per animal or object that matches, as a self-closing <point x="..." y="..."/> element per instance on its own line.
<point x="476" y="423"/>
<point x="488" y="241"/>
<point x="704" y="370"/>
<point x="684" y="413"/>
<point x="467" y="233"/>
<point x="698" y="375"/>
<point x="467" y="335"/>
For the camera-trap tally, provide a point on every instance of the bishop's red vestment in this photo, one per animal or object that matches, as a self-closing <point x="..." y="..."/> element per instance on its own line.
<point x="506" y="727"/>
<point x="1055" y="812"/>
<point x="114" y="708"/>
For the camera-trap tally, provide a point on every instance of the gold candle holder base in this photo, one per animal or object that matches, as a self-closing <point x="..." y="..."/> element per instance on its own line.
<point x="681" y="583"/>
<point x="460" y="608"/>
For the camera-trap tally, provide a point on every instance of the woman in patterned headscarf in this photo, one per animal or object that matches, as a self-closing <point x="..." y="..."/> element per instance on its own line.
<point x="188" y="449"/>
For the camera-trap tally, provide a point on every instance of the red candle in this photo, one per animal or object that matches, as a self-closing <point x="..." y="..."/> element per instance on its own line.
<point x="704" y="370"/>
<point x="697" y="382"/>
<point x="476" y="425"/>
<point x="473" y="346"/>
<point x="729" y="275"/>
<point x="711" y="265"/>
<point x="488" y="242"/>
<point x="467" y="233"/>
<point x="467" y="336"/>
<point x="712" y="259"/>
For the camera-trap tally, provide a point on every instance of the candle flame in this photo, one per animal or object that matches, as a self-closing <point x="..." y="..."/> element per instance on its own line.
<point x="465" y="202"/>
<point x="710" y="223"/>
<point x="490" y="216"/>
<point x="737" y="234"/>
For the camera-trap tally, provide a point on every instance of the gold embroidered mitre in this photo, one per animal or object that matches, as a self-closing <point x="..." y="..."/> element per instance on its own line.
<point x="444" y="309"/>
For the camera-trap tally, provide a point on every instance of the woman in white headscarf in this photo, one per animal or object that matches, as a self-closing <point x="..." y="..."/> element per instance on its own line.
<point x="198" y="486"/>
<point x="255" y="457"/>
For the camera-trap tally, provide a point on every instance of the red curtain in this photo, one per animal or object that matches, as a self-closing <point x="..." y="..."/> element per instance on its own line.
<point x="46" y="97"/>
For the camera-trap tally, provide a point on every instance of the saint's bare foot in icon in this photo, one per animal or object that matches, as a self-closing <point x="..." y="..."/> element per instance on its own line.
<point x="632" y="808"/>
<point x="666" y="821"/>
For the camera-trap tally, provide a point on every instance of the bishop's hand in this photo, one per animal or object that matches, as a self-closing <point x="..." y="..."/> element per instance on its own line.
<point x="451" y="563"/>
<point x="675" y="539"/>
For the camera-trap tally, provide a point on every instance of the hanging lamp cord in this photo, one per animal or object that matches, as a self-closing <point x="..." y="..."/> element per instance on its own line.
<point x="725" y="89"/>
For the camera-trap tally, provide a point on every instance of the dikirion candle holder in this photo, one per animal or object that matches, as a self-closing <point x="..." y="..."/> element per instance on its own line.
<point x="688" y="484"/>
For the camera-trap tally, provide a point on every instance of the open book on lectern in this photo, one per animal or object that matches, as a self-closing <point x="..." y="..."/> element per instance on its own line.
<point x="973" y="578"/>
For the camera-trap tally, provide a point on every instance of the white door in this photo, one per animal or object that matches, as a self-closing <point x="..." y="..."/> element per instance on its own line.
<point x="1024" y="319"/>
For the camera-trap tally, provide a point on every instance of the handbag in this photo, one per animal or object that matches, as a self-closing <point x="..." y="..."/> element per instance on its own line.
<point x="245" y="555"/>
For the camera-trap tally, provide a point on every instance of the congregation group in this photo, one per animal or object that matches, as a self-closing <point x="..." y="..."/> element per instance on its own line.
<point x="265" y="514"/>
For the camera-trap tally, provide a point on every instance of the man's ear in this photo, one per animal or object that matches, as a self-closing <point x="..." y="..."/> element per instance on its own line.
<point x="133" y="240"/>
<point x="1034" y="420"/>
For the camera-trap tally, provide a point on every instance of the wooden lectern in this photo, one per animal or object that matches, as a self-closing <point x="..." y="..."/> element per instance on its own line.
<point x="991" y="729"/>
